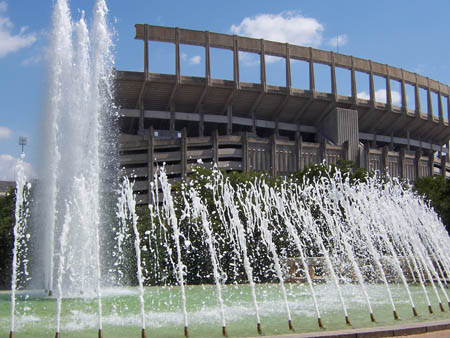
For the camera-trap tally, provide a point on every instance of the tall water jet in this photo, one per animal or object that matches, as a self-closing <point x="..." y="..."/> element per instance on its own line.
<point x="20" y="215"/>
<point x="78" y="120"/>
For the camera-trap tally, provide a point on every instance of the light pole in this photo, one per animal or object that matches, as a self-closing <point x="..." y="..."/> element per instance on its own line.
<point x="22" y="142"/>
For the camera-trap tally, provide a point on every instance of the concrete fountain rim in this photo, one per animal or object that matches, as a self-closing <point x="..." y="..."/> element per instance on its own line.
<point x="376" y="332"/>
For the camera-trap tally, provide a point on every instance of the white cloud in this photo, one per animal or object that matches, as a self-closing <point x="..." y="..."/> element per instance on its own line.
<point x="8" y="170"/>
<point x="338" y="40"/>
<point x="380" y="96"/>
<point x="291" y="27"/>
<point x="10" y="43"/>
<point x="183" y="56"/>
<point x="5" y="132"/>
<point x="195" y="60"/>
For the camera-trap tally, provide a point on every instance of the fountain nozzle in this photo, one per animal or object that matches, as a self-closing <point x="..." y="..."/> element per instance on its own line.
<point x="372" y="318"/>
<point x="224" y="331"/>
<point x="186" y="331"/>
<point x="100" y="334"/>
<point x="11" y="334"/>
<point x="430" y="309"/>
<point x="143" y="334"/>
<point x="291" y="327"/>
<point x="57" y="335"/>
<point x="50" y="293"/>
<point x="441" y="307"/>
<point x="395" y="315"/>
<point x="259" y="328"/>
<point x="319" y="321"/>
<point x="347" y="321"/>
<point x="414" y="312"/>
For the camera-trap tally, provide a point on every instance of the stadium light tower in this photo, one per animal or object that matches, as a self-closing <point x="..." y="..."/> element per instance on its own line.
<point x="22" y="142"/>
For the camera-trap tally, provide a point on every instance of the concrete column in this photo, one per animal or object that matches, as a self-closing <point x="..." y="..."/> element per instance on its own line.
<point x="417" y="98"/>
<point x="229" y="119"/>
<point x="333" y="77"/>
<point x="388" y="89"/>
<point x="207" y="59"/>
<point x="298" y="150"/>
<point x="371" y="85"/>
<point x="367" y="156"/>
<point x="431" y="162"/>
<point x="236" y="62"/>
<point x="215" y="141"/>
<point x="201" y="123"/>
<point x="417" y="162"/>
<point x="150" y="155"/>
<point x="177" y="55"/>
<point x="288" y="70"/>
<point x="323" y="150"/>
<point x="312" y="85"/>
<point x="385" y="160"/>
<point x="353" y="83"/>
<point x="346" y="150"/>
<point x="273" y="156"/>
<point x="409" y="140"/>
<point x="402" y="164"/>
<point x="141" y="114"/>
<point x="146" y="52"/>
<point x="172" y="121"/>
<point x="245" y="158"/>
<point x="183" y="152"/>
<point x="440" y="109"/>
<point x="429" y="101"/>
<point x="443" y="164"/>
<point x="263" y="66"/>
<point x="404" y="98"/>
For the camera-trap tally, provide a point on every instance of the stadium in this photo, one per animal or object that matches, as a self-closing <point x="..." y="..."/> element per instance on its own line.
<point x="183" y="120"/>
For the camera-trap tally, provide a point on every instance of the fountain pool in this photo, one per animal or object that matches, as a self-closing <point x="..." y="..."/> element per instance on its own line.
<point x="121" y="317"/>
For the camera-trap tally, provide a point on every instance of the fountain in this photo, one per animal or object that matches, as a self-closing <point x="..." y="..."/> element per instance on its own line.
<point x="210" y="257"/>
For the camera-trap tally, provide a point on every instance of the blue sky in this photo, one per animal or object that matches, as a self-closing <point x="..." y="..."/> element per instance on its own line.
<point x="410" y="34"/>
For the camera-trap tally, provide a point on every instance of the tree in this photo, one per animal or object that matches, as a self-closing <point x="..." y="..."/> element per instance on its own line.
<point x="7" y="204"/>
<point x="436" y="190"/>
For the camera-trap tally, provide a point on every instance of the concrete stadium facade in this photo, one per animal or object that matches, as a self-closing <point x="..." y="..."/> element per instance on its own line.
<point x="179" y="120"/>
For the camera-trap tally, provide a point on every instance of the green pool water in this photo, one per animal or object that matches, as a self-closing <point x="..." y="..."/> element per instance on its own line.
<point x="35" y="315"/>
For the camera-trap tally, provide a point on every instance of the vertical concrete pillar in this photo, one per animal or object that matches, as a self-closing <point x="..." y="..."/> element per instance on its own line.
<point x="177" y="55"/>
<point x="371" y="85"/>
<point x="404" y="97"/>
<point x="236" y="62"/>
<point x="150" y="155"/>
<point x="333" y="77"/>
<point x="288" y="70"/>
<point x="417" y="162"/>
<point x="183" y="153"/>
<point x="443" y="163"/>
<point x="146" y="52"/>
<point x="346" y="151"/>
<point x="417" y="98"/>
<point x="215" y="141"/>
<point x="172" y="120"/>
<point x="388" y="89"/>
<point x="312" y="85"/>
<point x="245" y="158"/>
<point x="298" y="150"/>
<point x="229" y="119"/>
<point x="403" y="173"/>
<point x="263" y="66"/>
<point x="409" y="140"/>
<point x="273" y="155"/>
<point x="431" y="162"/>
<point x="440" y="109"/>
<point x="353" y="83"/>
<point x="429" y="101"/>
<point x="385" y="160"/>
<point x="367" y="156"/>
<point x="207" y="59"/>
<point x="201" y="124"/>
